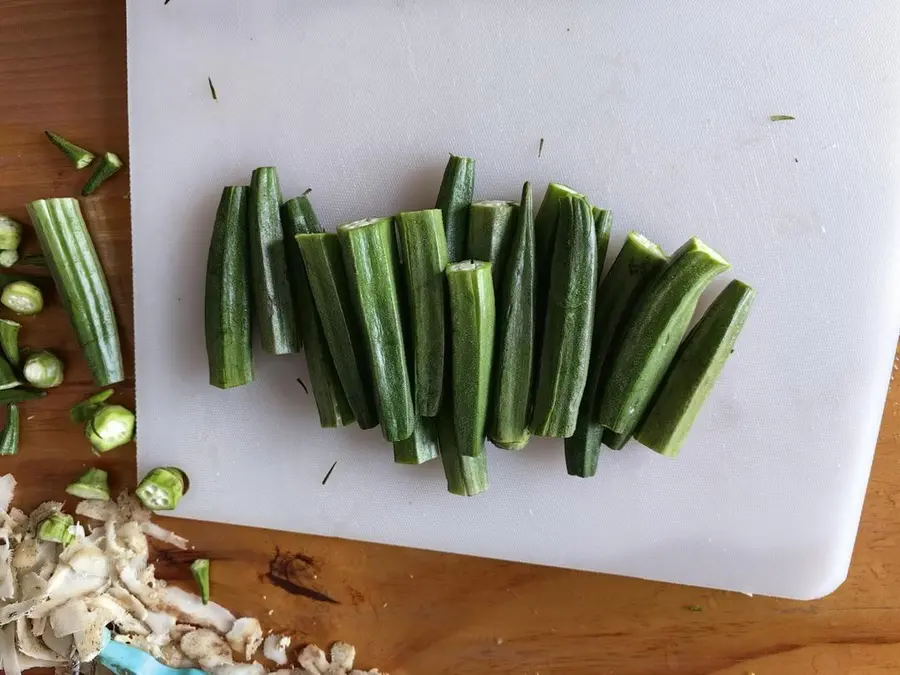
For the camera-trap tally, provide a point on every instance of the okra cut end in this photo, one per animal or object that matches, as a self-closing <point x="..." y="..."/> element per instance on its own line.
<point x="422" y="446"/>
<point x="644" y="243"/>
<point x="697" y="245"/>
<point x="361" y="223"/>
<point x="582" y="465"/>
<point x="494" y="204"/>
<point x="471" y="478"/>
<point x="512" y="444"/>
<point x="43" y="370"/>
<point x="467" y="266"/>
<point x="559" y="191"/>
<point x="615" y="441"/>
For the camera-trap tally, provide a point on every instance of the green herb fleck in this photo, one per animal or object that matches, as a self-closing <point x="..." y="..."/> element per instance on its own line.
<point x="781" y="118"/>
<point x="212" y="89"/>
<point x="328" y="475"/>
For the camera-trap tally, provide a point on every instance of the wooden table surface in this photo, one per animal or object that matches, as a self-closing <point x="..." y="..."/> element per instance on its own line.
<point x="62" y="67"/>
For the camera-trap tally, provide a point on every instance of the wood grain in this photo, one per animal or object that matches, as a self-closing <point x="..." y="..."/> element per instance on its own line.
<point x="62" y="67"/>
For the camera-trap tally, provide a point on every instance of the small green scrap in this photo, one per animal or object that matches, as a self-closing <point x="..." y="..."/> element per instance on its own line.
<point x="200" y="570"/>
<point x="781" y="118"/>
<point x="92" y="484"/>
<point x="212" y="89"/>
<point x="84" y="411"/>
<point x="56" y="529"/>
<point x="9" y="438"/>
<point x="540" y="148"/>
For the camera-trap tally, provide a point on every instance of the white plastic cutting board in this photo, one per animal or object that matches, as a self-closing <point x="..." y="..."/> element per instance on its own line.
<point x="658" y="110"/>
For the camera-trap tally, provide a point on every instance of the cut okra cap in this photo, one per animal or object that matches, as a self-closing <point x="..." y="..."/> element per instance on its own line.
<point x="10" y="233"/>
<point x="162" y="488"/>
<point x="110" y="427"/>
<point x="43" y="370"/>
<point x="22" y="297"/>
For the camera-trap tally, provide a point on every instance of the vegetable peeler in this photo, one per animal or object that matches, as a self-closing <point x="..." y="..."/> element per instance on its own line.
<point x="124" y="659"/>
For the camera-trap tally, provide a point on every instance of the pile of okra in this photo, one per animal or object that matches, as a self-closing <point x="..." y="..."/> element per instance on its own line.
<point x="472" y="321"/>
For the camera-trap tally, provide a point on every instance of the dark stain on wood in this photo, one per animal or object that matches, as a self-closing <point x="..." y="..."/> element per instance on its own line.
<point x="292" y="572"/>
<point x="356" y="597"/>
<point x="173" y="563"/>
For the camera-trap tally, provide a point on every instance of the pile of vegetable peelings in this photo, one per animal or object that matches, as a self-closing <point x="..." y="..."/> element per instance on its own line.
<point x="472" y="321"/>
<point x="67" y="589"/>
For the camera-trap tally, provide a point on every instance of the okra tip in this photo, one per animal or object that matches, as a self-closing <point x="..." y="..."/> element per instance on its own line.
<point x="76" y="154"/>
<point x="110" y="163"/>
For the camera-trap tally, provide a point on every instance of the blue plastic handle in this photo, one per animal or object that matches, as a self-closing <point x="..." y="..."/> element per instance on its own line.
<point x="123" y="659"/>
